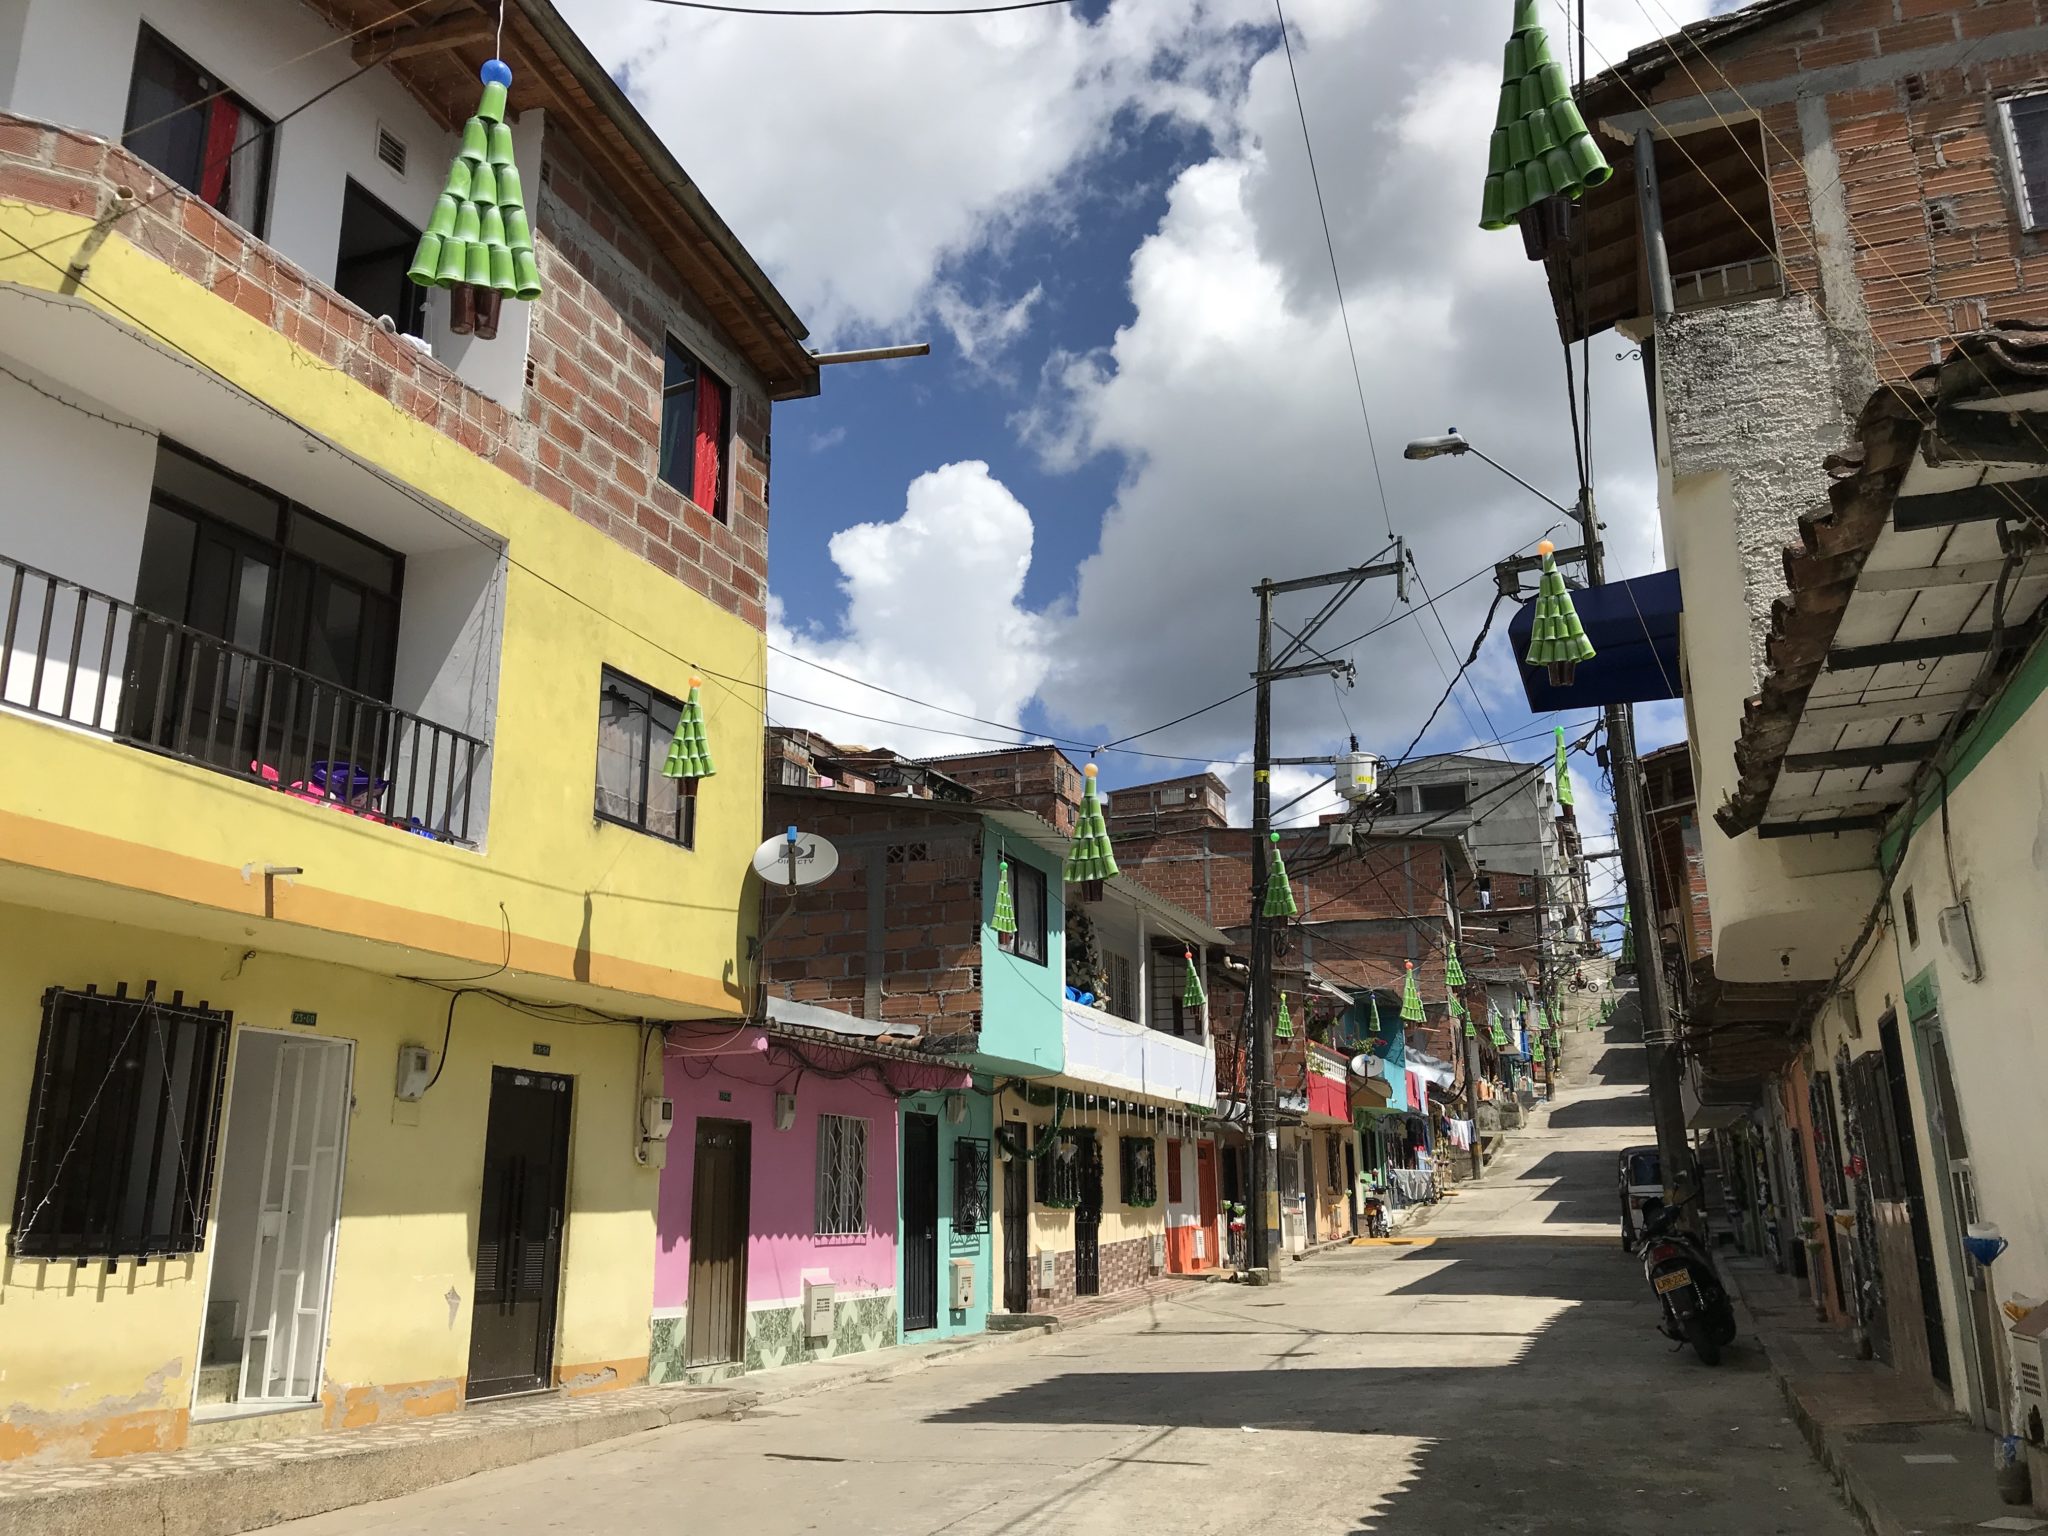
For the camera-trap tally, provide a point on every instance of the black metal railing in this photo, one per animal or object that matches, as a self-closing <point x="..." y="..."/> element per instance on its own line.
<point x="72" y="654"/>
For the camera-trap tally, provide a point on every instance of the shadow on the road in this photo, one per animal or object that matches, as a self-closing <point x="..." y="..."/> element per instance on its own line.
<point x="1622" y="1064"/>
<point x="1586" y="1168"/>
<point x="1587" y="1114"/>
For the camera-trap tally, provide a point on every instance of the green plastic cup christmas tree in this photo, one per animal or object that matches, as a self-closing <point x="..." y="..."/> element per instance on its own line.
<point x="1284" y="1025"/>
<point x="1191" y="993"/>
<point x="478" y="244"/>
<point x="1454" y="973"/>
<point x="1279" y="889"/>
<point x="1004" y="918"/>
<point x="1411" y="997"/>
<point x="1090" y="858"/>
<point x="1558" y="642"/>
<point x="1564" y="772"/>
<point x="689" y="754"/>
<point x="1540" y="146"/>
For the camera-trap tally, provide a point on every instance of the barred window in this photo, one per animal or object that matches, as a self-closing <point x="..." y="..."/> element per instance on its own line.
<point x="842" y="1175"/>
<point x="117" y="1155"/>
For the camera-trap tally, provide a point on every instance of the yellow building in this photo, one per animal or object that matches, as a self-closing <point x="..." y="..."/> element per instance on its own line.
<point x="341" y="891"/>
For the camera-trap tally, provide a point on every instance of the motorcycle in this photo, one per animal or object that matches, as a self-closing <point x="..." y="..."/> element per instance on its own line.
<point x="1696" y="1307"/>
<point x="1375" y="1216"/>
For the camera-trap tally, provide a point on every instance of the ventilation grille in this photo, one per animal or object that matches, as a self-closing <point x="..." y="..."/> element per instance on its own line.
<point x="391" y="149"/>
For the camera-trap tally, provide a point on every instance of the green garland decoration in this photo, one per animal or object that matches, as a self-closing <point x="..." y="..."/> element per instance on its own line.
<point x="1048" y="1137"/>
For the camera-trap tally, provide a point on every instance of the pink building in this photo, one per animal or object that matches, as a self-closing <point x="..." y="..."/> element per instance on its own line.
<point x="781" y="1175"/>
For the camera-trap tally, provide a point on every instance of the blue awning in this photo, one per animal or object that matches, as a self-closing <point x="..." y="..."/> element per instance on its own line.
<point x="1634" y="629"/>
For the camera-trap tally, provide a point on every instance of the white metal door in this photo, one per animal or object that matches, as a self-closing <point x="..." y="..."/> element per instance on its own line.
<point x="285" y="1323"/>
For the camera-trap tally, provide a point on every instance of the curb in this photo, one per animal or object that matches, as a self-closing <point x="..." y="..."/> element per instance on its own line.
<point x="324" y="1473"/>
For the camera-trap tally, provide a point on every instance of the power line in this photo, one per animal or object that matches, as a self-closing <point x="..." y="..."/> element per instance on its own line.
<point x="1336" y="277"/>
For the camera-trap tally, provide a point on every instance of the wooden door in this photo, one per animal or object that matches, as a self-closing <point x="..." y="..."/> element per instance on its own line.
<point x="519" y="1233"/>
<point x="1205" y="1200"/>
<point x="920" y="1235"/>
<point x="716" y="1329"/>
<point x="1017" y="1225"/>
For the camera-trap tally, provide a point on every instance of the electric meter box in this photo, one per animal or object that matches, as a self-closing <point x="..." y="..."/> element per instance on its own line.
<point x="657" y="1117"/>
<point x="961" y="1297"/>
<point x="819" y="1299"/>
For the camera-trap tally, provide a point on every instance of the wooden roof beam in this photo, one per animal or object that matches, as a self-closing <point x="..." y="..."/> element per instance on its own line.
<point x="458" y="31"/>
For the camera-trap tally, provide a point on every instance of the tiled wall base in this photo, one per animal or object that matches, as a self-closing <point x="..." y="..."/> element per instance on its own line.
<point x="775" y="1337"/>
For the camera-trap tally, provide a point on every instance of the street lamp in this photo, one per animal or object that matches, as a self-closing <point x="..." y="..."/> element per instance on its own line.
<point x="1435" y="447"/>
<point x="1453" y="443"/>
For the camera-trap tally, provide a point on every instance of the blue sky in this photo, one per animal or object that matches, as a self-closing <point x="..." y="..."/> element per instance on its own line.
<point x="1140" y="399"/>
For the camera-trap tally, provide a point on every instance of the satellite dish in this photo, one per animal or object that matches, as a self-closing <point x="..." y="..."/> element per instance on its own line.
<point x="795" y="859"/>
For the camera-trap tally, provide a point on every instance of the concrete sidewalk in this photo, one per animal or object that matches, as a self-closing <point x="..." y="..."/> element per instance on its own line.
<point x="224" y="1489"/>
<point x="1904" y="1461"/>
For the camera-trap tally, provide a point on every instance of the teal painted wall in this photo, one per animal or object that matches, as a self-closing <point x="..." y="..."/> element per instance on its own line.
<point x="1022" y="1029"/>
<point x="978" y="1246"/>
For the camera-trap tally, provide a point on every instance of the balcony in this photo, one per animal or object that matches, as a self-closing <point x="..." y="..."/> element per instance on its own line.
<point x="92" y="662"/>
<point x="1129" y="1058"/>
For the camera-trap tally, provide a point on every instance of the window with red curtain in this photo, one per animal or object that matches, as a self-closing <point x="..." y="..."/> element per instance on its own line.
<point x="696" y="425"/>
<point x="183" y="122"/>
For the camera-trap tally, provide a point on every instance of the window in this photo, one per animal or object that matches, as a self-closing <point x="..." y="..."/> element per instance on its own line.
<point x="696" y="423"/>
<point x="842" y="1176"/>
<point x="369" y="269"/>
<point x="1485" y="891"/>
<point x="2026" y="137"/>
<point x="1912" y="917"/>
<point x="117" y="1155"/>
<point x="1136" y="1163"/>
<point x="1059" y="1171"/>
<point x="1027" y="901"/>
<point x="1170" y="1014"/>
<point x="1123" y="992"/>
<point x="970" y="1186"/>
<point x="1443" y="797"/>
<point x="219" y="151"/>
<point x="634" y="727"/>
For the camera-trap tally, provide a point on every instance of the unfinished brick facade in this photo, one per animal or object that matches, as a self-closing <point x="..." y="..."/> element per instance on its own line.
<point x="895" y="935"/>
<point x="589" y="435"/>
<point x="1042" y="780"/>
<point x="1907" y="92"/>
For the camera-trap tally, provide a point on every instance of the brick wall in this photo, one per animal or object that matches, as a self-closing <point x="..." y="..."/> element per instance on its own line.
<point x="1208" y="871"/>
<point x="1923" y="167"/>
<point x="1042" y="780"/>
<point x="922" y="870"/>
<point x="588" y="438"/>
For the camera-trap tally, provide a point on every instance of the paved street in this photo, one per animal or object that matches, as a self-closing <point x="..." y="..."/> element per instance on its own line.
<point x="1504" y="1377"/>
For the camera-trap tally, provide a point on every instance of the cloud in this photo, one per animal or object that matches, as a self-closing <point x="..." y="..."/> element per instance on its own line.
<point x="857" y="157"/>
<point x="984" y="331"/>
<point x="1230" y="398"/>
<point x="933" y="610"/>
<point x="830" y="438"/>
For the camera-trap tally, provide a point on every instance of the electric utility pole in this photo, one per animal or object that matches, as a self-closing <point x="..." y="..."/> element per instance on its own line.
<point x="1667" y="1108"/>
<point x="1263" y="1225"/>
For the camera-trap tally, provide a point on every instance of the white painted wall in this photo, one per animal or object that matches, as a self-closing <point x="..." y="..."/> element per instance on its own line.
<point x="1996" y="1029"/>
<point x="1783" y="908"/>
<point x="76" y="59"/>
<point x="451" y="618"/>
<point x="77" y="493"/>
<point x="13" y="23"/>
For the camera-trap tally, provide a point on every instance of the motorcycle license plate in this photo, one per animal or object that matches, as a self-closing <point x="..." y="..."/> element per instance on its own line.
<point x="1677" y="1280"/>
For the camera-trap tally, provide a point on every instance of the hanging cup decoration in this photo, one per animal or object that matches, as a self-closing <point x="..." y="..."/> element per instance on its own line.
<point x="1090" y="858"/>
<point x="1558" y="641"/>
<point x="689" y="755"/>
<point x="1540" y="147"/>
<point x="1284" y="1025"/>
<point x="1279" y="890"/>
<point x="1191" y="993"/>
<point x="1411" y="997"/>
<point x="1454" y="973"/>
<point x="1004" y="919"/>
<point x="1564" y="772"/>
<point x="477" y="243"/>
